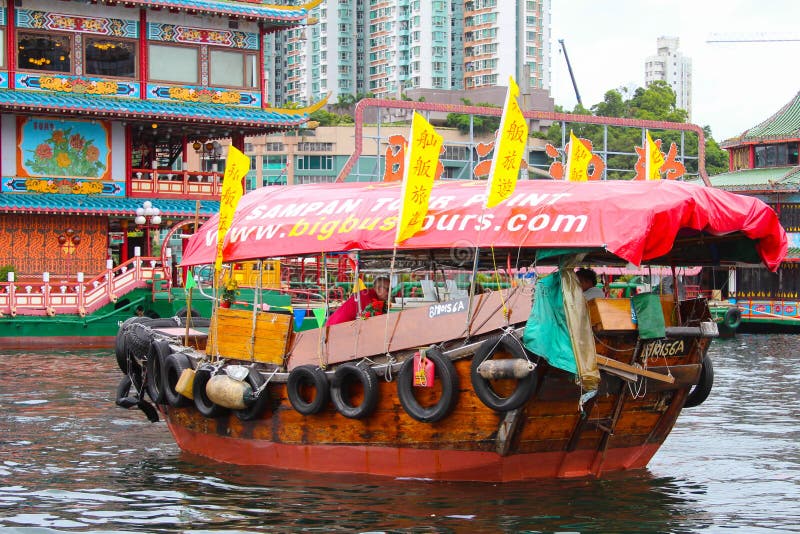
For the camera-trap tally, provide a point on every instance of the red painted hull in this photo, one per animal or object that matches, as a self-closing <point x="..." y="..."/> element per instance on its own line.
<point x="63" y="342"/>
<point x="449" y="465"/>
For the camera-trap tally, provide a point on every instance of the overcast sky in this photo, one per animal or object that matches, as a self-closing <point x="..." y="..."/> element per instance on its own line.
<point x="735" y="85"/>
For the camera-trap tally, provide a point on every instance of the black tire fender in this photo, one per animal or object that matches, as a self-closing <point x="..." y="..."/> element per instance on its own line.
<point x="447" y="377"/>
<point x="201" y="400"/>
<point x="699" y="393"/>
<point x="174" y="366"/>
<point x="482" y="387"/>
<point x="733" y="318"/>
<point x="303" y="377"/>
<point x="154" y="382"/>
<point x="121" y="351"/>
<point x="342" y="378"/>
<point x="123" y="398"/>
<point x="183" y="312"/>
<point x="261" y="402"/>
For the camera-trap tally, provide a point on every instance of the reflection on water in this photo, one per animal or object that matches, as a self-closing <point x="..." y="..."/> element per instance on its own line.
<point x="72" y="461"/>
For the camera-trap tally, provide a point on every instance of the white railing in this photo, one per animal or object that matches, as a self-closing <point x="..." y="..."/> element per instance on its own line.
<point x="80" y="296"/>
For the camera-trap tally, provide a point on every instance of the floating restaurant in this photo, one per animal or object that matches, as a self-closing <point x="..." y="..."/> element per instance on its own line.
<point x="111" y="116"/>
<point x="764" y="163"/>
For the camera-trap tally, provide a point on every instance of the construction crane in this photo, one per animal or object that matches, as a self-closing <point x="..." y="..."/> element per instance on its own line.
<point x="752" y="37"/>
<point x="571" y="75"/>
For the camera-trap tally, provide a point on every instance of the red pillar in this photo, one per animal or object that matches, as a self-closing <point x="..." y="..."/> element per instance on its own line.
<point x="11" y="43"/>
<point x="143" y="74"/>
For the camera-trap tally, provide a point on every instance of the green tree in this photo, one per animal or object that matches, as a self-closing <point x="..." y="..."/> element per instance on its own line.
<point x="655" y="102"/>
<point x="480" y="123"/>
<point x="327" y="118"/>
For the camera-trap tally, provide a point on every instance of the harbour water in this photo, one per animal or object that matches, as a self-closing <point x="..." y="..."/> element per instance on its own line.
<point x="71" y="461"/>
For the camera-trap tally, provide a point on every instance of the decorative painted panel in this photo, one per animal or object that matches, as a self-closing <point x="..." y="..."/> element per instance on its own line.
<point x="76" y="85"/>
<point x="12" y="184"/>
<point x="32" y="246"/>
<point x="3" y="79"/>
<point x="173" y="33"/>
<point x="206" y="95"/>
<point x="54" y="149"/>
<point x="72" y="23"/>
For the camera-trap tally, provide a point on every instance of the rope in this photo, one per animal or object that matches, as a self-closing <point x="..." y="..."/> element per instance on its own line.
<point x="388" y="303"/>
<point x="497" y="280"/>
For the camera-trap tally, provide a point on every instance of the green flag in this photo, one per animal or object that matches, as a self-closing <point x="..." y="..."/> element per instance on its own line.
<point x="190" y="283"/>
<point x="319" y="315"/>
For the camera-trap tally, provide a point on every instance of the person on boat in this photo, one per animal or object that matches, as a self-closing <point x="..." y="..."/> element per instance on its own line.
<point x="370" y="301"/>
<point x="587" y="279"/>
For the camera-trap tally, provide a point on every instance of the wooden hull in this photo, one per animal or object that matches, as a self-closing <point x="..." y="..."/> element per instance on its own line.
<point x="548" y="433"/>
<point x="449" y="465"/>
<point x="546" y="438"/>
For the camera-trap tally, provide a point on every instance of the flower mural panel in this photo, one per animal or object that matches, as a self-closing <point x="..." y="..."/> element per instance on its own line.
<point x="63" y="148"/>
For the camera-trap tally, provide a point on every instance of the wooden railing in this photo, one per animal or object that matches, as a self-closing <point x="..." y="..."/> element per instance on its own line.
<point x="80" y="297"/>
<point x="147" y="183"/>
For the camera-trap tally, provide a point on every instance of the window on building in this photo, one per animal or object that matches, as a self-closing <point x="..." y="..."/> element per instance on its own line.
<point x="51" y="52"/>
<point x="2" y="48"/>
<point x="173" y="63"/>
<point x="110" y="57"/>
<point x="274" y="162"/>
<point x="776" y="155"/>
<point x="315" y="163"/>
<point x="232" y="68"/>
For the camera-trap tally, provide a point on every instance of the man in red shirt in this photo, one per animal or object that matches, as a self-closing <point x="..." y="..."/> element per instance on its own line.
<point x="372" y="300"/>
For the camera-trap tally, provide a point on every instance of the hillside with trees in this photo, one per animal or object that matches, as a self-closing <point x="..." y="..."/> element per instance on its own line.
<point x="656" y="102"/>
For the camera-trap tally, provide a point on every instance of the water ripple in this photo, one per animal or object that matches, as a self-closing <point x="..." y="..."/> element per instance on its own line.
<point x="72" y="461"/>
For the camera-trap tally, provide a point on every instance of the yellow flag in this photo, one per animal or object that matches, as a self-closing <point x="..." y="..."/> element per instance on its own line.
<point x="509" y="150"/>
<point x="422" y="158"/>
<point x="578" y="159"/>
<point x="654" y="159"/>
<point x="236" y="166"/>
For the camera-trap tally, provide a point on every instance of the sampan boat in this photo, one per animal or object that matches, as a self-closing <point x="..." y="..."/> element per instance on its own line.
<point x="528" y="379"/>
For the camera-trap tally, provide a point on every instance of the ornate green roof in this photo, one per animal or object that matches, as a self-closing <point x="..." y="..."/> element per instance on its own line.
<point x="100" y="205"/>
<point x="245" y="9"/>
<point x="763" y="179"/>
<point x="247" y="118"/>
<point x="782" y="126"/>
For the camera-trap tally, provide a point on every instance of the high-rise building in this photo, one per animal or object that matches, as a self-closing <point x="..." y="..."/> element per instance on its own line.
<point x="387" y="47"/>
<point x="674" y="68"/>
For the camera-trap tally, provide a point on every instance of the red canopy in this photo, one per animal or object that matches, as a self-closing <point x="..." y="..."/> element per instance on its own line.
<point x="636" y="221"/>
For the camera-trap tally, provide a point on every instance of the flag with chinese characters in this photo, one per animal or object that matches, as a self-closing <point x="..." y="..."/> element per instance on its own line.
<point x="236" y="166"/>
<point x="422" y="158"/>
<point x="654" y="159"/>
<point x="509" y="151"/>
<point x="578" y="158"/>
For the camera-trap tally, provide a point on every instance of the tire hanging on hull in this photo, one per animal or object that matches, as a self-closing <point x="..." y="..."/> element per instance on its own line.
<point x="203" y="404"/>
<point x="448" y="379"/>
<point x="733" y="318"/>
<point x="303" y="378"/>
<point x="259" y="406"/>
<point x="505" y="343"/>
<point x="174" y="366"/>
<point x="343" y="378"/>
<point x="700" y="392"/>
<point x="159" y="351"/>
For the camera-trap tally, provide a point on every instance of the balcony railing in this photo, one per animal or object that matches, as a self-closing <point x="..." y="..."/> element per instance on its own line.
<point x="147" y="183"/>
<point x="79" y="297"/>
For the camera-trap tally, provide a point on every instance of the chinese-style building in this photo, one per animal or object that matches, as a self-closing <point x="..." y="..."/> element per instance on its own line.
<point x="108" y="104"/>
<point x="764" y="163"/>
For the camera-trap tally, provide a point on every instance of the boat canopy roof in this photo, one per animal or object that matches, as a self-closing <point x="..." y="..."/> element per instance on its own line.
<point x="614" y="222"/>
